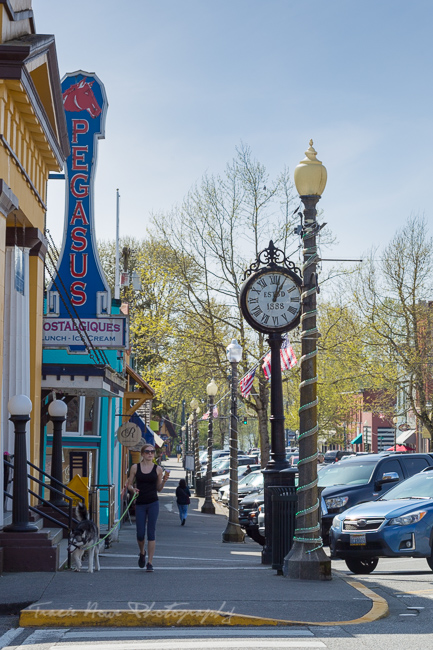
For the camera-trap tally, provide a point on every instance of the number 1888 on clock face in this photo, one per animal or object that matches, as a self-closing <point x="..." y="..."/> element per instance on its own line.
<point x="270" y="300"/>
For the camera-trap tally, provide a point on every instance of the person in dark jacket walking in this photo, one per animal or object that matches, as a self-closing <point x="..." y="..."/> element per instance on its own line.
<point x="183" y="500"/>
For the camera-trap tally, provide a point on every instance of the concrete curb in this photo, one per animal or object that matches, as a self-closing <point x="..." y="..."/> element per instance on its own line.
<point x="33" y="617"/>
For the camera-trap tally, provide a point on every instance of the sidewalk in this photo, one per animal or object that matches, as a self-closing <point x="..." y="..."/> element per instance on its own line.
<point x="194" y="572"/>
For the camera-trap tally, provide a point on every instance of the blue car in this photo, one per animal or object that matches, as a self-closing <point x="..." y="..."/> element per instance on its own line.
<point x="399" y="524"/>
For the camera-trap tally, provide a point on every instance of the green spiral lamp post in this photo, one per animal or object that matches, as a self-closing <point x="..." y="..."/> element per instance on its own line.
<point x="307" y="559"/>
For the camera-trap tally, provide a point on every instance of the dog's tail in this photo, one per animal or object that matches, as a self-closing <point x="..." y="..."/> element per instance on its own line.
<point x="81" y="512"/>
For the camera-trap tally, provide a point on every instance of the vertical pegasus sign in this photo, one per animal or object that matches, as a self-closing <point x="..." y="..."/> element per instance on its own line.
<point x="79" y="299"/>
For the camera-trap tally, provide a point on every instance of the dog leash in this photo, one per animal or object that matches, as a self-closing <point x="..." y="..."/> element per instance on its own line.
<point x="115" y="525"/>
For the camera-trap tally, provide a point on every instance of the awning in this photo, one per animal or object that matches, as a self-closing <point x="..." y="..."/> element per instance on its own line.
<point x="405" y="437"/>
<point x="357" y="440"/>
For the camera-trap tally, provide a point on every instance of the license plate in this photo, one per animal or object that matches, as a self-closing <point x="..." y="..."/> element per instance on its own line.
<point x="357" y="540"/>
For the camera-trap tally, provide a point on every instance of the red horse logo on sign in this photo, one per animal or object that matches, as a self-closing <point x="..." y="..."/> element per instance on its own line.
<point x="80" y="97"/>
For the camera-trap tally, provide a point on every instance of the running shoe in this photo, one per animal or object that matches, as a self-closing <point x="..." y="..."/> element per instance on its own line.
<point x="142" y="560"/>
<point x="149" y="567"/>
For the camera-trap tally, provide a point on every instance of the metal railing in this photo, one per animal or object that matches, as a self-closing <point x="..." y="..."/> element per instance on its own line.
<point x="107" y="502"/>
<point x="42" y="501"/>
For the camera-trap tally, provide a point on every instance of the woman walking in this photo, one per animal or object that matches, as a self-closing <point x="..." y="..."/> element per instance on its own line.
<point x="149" y="480"/>
<point x="183" y="500"/>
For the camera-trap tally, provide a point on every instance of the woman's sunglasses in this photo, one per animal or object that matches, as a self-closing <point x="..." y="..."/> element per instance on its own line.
<point x="149" y="451"/>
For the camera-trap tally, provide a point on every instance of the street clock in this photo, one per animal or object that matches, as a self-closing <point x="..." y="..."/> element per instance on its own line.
<point x="270" y="297"/>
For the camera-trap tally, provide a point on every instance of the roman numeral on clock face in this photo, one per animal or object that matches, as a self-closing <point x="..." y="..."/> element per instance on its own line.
<point x="265" y="319"/>
<point x="275" y="320"/>
<point x="262" y="283"/>
<point x="274" y="279"/>
<point x="256" y="311"/>
<point x="291" y="289"/>
<point x="251" y="301"/>
<point x="292" y="310"/>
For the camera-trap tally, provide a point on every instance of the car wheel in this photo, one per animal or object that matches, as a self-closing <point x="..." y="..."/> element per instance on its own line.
<point x="362" y="566"/>
<point x="255" y="535"/>
<point x="430" y="561"/>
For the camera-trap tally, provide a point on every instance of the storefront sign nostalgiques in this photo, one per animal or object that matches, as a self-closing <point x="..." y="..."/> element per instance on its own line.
<point x="79" y="298"/>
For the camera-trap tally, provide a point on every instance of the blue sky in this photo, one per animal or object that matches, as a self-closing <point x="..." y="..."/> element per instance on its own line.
<point x="188" y="80"/>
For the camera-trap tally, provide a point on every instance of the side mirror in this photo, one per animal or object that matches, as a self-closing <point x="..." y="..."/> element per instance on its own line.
<point x="388" y="477"/>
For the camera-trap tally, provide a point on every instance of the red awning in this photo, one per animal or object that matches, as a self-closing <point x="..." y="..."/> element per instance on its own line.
<point x="401" y="448"/>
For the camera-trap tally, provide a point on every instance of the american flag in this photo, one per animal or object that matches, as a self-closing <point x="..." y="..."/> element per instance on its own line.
<point x="214" y="413"/>
<point x="246" y="383"/>
<point x="267" y="366"/>
<point x="287" y="358"/>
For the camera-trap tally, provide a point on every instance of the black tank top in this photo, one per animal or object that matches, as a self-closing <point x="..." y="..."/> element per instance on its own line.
<point x="146" y="483"/>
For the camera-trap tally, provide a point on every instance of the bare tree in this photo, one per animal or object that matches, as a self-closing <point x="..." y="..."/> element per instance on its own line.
<point x="393" y="295"/>
<point x="222" y="225"/>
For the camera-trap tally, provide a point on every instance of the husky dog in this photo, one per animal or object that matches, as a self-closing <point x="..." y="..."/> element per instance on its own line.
<point x="83" y="539"/>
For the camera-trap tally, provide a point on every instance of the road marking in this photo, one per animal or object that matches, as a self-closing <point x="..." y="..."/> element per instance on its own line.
<point x="172" y="557"/>
<point x="192" y="644"/>
<point x="417" y="591"/>
<point x="7" y="637"/>
<point x="188" y="568"/>
<point x="189" y="633"/>
<point x="41" y="636"/>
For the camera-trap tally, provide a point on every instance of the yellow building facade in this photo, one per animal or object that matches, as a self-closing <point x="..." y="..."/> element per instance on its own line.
<point x="33" y="143"/>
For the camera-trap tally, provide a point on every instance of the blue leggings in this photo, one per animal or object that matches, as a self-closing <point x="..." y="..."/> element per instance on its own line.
<point x="146" y="512"/>
<point x="183" y="511"/>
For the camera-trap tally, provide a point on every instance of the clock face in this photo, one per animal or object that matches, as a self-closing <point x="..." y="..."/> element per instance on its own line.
<point x="271" y="301"/>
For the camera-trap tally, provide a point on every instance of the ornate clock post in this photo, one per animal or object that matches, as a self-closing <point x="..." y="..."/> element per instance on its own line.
<point x="270" y="300"/>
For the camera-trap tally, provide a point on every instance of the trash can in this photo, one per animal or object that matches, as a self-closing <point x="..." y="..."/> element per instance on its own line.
<point x="284" y="507"/>
<point x="200" y="487"/>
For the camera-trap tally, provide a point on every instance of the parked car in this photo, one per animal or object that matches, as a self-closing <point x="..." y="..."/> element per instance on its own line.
<point x="398" y="524"/>
<point x="291" y="454"/>
<point x="225" y="465"/>
<point x="248" y="483"/>
<point x="223" y="479"/>
<point x="248" y="508"/>
<point x="261" y="520"/>
<point x="365" y="478"/>
<point x="217" y="457"/>
<point x="335" y="455"/>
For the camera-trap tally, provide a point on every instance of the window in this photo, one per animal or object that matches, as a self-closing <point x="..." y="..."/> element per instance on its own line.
<point x="19" y="270"/>
<point x="391" y="465"/>
<point x="90" y="416"/>
<point x="83" y="416"/>
<point x="414" y="465"/>
<point x="73" y="416"/>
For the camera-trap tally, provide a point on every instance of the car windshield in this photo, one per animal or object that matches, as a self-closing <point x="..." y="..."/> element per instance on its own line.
<point x="257" y="479"/>
<point x="347" y="473"/>
<point x="218" y="461"/>
<point x="224" y="464"/>
<point x="418" y="486"/>
<point x="249" y="478"/>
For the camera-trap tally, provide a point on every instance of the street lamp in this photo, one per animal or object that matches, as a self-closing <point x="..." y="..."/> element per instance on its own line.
<point x="195" y="411"/>
<point x="307" y="559"/>
<point x="20" y="408"/>
<point x="190" y="446"/>
<point x="208" y="506"/>
<point x="233" y="531"/>
<point x="57" y="411"/>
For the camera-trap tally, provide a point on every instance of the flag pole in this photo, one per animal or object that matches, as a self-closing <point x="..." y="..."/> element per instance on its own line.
<point x="117" y="271"/>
